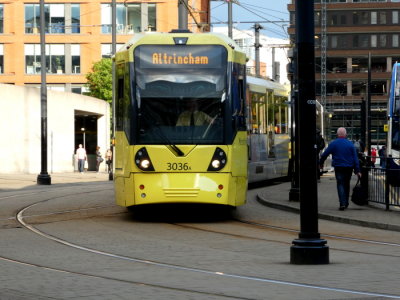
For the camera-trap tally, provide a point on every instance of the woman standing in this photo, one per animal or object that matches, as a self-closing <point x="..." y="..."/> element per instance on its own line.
<point x="109" y="160"/>
<point x="99" y="159"/>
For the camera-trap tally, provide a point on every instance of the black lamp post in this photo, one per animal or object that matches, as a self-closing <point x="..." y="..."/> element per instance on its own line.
<point x="309" y="248"/>
<point x="43" y="178"/>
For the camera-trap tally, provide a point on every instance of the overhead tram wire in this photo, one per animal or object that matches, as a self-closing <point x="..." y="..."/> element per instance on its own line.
<point x="249" y="10"/>
<point x="264" y="8"/>
<point x="249" y="6"/>
<point x="240" y="4"/>
<point x="253" y="22"/>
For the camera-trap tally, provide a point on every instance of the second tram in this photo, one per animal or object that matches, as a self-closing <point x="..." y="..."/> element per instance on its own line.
<point x="393" y="140"/>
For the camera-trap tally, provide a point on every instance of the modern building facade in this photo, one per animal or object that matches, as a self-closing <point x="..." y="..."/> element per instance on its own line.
<point x="347" y="32"/>
<point x="72" y="119"/>
<point x="78" y="33"/>
<point x="273" y="53"/>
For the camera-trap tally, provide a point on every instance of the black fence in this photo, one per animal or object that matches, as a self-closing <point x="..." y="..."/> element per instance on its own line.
<point x="384" y="183"/>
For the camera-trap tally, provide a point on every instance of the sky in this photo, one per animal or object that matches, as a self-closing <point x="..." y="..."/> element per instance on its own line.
<point x="254" y="11"/>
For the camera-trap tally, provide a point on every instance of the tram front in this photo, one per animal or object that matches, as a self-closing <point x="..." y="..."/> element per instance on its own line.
<point x="188" y="135"/>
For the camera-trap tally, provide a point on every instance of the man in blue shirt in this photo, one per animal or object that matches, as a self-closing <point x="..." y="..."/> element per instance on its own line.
<point x="344" y="160"/>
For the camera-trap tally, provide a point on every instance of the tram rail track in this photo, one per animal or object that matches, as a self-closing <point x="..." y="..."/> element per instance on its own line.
<point x="20" y="218"/>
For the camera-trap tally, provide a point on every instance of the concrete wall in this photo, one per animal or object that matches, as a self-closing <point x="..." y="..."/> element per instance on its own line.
<point x="20" y="135"/>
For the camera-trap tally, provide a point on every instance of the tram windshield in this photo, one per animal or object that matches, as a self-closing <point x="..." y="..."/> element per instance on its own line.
<point x="180" y="94"/>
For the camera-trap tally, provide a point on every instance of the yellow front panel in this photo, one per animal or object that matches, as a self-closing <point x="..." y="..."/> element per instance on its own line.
<point x="184" y="188"/>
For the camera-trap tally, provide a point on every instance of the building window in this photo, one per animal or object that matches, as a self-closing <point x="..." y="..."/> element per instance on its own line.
<point x="378" y="88"/>
<point x="395" y="17"/>
<point x="55" y="59"/>
<point x="76" y="59"/>
<point x="1" y="18"/>
<point x="374" y="17"/>
<point x="1" y="59"/>
<point x="333" y="20"/>
<point x="382" y="17"/>
<point x="55" y="21"/>
<point x="364" y="18"/>
<point x="382" y="40"/>
<point x="152" y="15"/>
<point x="364" y="41"/>
<point x="360" y="18"/>
<point x="395" y="40"/>
<point x="359" y="65"/>
<point x="76" y="89"/>
<point x="75" y="18"/>
<point x="317" y="18"/>
<point x="130" y="18"/>
<point x="336" y="64"/>
<point x="374" y="41"/>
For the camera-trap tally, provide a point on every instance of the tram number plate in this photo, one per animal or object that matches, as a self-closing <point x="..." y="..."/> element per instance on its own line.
<point x="178" y="167"/>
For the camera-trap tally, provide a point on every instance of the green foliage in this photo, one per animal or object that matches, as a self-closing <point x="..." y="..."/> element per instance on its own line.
<point x="99" y="81"/>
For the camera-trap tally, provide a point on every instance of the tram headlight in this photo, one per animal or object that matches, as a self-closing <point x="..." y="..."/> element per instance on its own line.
<point x="218" y="160"/>
<point x="215" y="163"/>
<point x="142" y="160"/>
<point x="145" y="163"/>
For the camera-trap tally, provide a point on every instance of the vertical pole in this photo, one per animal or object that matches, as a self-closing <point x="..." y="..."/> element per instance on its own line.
<point x="114" y="50"/>
<point x="294" y="193"/>
<point x="257" y="47"/>
<point x="273" y="64"/>
<point x="43" y="178"/>
<point x="182" y="14"/>
<point x="309" y="248"/>
<point x="363" y="125"/>
<point x="368" y="143"/>
<point x="230" y="25"/>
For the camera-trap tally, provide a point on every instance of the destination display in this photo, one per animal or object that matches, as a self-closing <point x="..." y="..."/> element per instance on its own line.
<point x="180" y="56"/>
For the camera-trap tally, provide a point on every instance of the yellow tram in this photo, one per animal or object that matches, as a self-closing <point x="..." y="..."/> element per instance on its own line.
<point x="180" y="126"/>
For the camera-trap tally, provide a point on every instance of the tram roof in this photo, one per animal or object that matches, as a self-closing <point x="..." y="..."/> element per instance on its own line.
<point x="260" y="85"/>
<point x="163" y="36"/>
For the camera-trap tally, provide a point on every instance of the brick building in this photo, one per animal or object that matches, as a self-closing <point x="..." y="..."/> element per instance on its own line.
<point x="78" y="33"/>
<point x="351" y="30"/>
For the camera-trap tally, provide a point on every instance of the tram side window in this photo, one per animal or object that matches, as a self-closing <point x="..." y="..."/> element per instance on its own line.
<point x="238" y="98"/>
<point x="277" y="114"/>
<point x="120" y="104"/>
<point x="258" y="114"/>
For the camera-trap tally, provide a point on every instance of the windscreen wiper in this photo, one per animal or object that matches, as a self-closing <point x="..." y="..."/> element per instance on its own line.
<point x="178" y="151"/>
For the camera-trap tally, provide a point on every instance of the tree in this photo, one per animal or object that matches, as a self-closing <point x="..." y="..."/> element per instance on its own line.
<point x="99" y="81"/>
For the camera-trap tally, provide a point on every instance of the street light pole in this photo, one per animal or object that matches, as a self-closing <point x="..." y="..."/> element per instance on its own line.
<point x="114" y="50"/>
<point x="183" y="14"/>
<point x="230" y="25"/>
<point x="43" y="178"/>
<point x="84" y="142"/>
<point x="309" y="248"/>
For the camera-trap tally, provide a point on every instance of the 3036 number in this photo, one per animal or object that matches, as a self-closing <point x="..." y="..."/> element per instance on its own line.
<point x="178" y="167"/>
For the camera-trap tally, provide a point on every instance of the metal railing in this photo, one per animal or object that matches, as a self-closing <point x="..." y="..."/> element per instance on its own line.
<point x="384" y="184"/>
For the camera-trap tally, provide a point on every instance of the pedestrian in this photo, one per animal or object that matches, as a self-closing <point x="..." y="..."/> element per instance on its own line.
<point x="382" y="157"/>
<point x="373" y="157"/>
<point x="344" y="160"/>
<point x="109" y="160"/>
<point x="359" y="144"/>
<point x="99" y="159"/>
<point x="81" y="156"/>
<point x="320" y="142"/>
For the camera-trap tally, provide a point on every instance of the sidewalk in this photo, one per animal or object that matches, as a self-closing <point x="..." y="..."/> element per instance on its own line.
<point x="373" y="215"/>
<point x="20" y="181"/>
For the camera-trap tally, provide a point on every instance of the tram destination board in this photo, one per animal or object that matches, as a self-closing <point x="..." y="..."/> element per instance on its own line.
<point x="182" y="56"/>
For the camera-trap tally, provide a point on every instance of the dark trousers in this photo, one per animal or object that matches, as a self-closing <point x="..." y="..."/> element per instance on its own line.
<point x="343" y="177"/>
